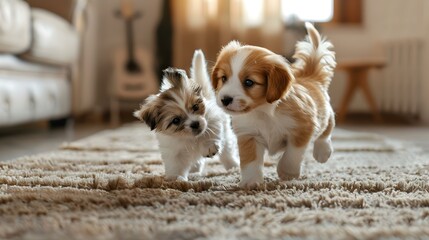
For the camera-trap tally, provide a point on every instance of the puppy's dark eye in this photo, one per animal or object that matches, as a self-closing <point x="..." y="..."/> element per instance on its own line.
<point x="195" y="107"/>
<point x="248" y="83"/>
<point x="224" y="78"/>
<point x="176" y="121"/>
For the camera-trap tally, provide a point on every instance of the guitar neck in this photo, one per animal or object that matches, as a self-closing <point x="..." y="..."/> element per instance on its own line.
<point x="130" y="39"/>
<point x="129" y="15"/>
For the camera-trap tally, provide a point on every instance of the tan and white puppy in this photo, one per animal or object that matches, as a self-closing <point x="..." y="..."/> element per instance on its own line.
<point x="276" y="106"/>
<point x="188" y="123"/>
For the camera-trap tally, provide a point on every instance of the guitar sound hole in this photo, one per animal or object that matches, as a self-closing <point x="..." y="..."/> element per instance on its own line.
<point x="133" y="67"/>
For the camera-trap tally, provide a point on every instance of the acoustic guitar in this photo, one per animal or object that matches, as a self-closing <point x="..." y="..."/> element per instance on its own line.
<point x="134" y="77"/>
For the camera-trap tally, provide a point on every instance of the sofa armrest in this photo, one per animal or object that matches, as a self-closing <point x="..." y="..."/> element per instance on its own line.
<point x="15" y="26"/>
<point x="54" y="41"/>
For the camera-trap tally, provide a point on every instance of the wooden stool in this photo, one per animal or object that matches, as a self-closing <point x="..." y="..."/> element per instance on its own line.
<point x="357" y="71"/>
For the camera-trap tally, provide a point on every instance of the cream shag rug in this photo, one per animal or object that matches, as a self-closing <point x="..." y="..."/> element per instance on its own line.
<point x="110" y="186"/>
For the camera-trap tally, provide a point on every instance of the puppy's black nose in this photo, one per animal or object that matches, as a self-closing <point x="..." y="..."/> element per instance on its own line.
<point x="195" y="125"/>
<point x="227" y="100"/>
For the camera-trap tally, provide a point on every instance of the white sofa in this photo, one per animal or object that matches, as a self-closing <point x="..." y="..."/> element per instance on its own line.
<point x="42" y="63"/>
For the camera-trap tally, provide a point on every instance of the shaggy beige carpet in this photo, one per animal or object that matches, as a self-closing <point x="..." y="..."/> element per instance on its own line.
<point x="110" y="186"/>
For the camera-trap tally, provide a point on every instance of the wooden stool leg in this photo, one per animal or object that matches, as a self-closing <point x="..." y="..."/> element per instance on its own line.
<point x="352" y="85"/>
<point x="114" y="112"/>
<point x="363" y="83"/>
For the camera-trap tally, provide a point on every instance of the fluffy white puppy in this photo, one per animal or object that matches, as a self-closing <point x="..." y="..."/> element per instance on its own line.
<point x="276" y="106"/>
<point x="188" y="123"/>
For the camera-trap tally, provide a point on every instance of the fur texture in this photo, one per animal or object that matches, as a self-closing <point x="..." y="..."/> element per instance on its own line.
<point x="188" y="123"/>
<point x="277" y="106"/>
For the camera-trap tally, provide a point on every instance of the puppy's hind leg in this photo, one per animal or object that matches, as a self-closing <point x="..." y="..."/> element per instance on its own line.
<point x="229" y="156"/>
<point x="289" y="165"/>
<point x="323" y="144"/>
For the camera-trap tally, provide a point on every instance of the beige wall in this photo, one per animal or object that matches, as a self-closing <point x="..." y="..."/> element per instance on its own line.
<point x="383" y="20"/>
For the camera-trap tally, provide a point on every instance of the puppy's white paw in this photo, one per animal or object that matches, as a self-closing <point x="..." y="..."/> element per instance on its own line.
<point x="196" y="170"/>
<point x="286" y="176"/>
<point x="176" y="178"/>
<point x="322" y="150"/>
<point x="250" y="182"/>
<point x="288" y="170"/>
<point x="230" y="162"/>
<point x="211" y="150"/>
<point x="198" y="167"/>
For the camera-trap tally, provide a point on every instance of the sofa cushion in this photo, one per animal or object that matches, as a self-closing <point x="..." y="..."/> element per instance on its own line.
<point x="14" y="65"/>
<point x="55" y="41"/>
<point x="62" y="8"/>
<point x="30" y="98"/>
<point x="15" y="26"/>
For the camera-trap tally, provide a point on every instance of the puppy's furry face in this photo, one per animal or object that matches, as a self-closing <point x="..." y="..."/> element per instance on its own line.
<point x="179" y="110"/>
<point x="246" y="77"/>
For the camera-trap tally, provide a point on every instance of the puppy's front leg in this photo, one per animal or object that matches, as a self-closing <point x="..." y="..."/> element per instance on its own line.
<point x="198" y="167"/>
<point x="251" y="161"/>
<point x="176" y="167"/>
<point x="213" y="143"/>
<point x="210" y="148"/>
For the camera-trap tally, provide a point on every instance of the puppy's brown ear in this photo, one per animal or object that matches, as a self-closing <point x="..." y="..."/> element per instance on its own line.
<point x="177" y="77"/>
<point x="279" y="78"/>
<point x="148" y="113"/>
<point x="224" y="56"/>
<point x="215" y="78"/>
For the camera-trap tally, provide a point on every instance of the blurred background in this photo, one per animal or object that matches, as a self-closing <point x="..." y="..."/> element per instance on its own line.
<point x="69" y="68"/>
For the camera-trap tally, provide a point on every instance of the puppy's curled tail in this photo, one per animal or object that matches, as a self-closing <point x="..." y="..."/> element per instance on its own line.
<point x="200" y="75"/>
<point x="314" y="58"/>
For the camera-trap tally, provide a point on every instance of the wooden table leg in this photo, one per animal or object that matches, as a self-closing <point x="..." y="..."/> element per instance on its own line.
<point x="363" y="83"/>
<point x="358" y="78"/>
<point x="352" y="84"/>
<point x="114" y="112"/>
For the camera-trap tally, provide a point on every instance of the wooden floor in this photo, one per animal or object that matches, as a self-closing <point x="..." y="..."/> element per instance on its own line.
<point x="36" y="138"/>
<point x="31" y="139"/>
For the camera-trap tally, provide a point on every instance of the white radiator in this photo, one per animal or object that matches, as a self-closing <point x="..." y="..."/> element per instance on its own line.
<point x="402" y="77"/>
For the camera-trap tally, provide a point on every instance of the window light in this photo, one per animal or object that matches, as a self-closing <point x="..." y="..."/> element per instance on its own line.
<point x="307" y="10"/>
<point x="253" y="12"/>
